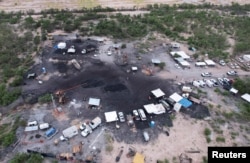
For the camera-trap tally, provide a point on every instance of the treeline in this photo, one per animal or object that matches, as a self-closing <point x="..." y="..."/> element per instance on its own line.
<point x="207" y="28"/>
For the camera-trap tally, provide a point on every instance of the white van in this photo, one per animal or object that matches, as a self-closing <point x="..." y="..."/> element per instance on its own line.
<point x="43" y="126"/>
<point x="33" y="123"/>
<point x="142" y="115"/>
<point x="146" y="136"/>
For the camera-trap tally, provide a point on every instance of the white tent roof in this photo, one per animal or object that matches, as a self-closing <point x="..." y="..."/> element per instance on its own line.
<point x="246" y="57"/>
<point x="160" y="109"/>
<point x="158" y="93"/>
<point x="94" y="101"/>
<point x="176" y="97"/>
<point x="233" y="90"/>
<point x="209" y="62"/>
<point x="111" y="116"/>
<point x="61" y="45"/>
<point x="200" y="64"/>
<point x="246" y="97"/>
<point x="182" y="54"/>
<point x="154" y="109"/>
<point x="184" y="63"/>
<point x="177" y="107"/>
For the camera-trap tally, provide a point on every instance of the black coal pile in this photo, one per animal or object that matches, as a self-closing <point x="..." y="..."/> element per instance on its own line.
<point x="115" y="88"/>
<point x="62" y="67"/>
<point x="92" y="83"/>
<point x="196" y="111"/>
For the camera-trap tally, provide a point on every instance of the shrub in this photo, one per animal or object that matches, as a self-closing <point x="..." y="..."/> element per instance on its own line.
<point x="207" y="132"/>
<point x="220" y="139"/>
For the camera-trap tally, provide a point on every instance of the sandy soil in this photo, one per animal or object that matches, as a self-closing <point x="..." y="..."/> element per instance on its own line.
<point x="37" y="5"/>
<point x="186" y="135"/>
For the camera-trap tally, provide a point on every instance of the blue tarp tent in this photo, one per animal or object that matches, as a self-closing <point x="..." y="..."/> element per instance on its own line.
<point x="185" y="102"/>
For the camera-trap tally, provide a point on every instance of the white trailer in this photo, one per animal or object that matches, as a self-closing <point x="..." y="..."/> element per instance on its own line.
<point x="43" y="126"/>
<point x="31" y="128"/>
<point x="70" y="132"/>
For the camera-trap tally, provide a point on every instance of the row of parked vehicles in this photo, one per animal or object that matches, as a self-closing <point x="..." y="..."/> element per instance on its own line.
<point x="212" y="82"/>
<point x="137" y="115"/>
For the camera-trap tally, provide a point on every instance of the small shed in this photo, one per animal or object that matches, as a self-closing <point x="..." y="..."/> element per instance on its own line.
<point x="111" y="116"/>
<point x="246" y="97"/>
<point x="94" y="102"/>
<point x="210" y="62"/>
<point x="176" y="97"/>
<point x="200" y="64"/>
<point x="138" y="158"/>
<point x="158" y="93"/>
<point x="181" y="54"/>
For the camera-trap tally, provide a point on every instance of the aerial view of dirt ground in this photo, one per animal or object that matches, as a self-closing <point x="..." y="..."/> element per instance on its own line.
<point x="101" y="99"/>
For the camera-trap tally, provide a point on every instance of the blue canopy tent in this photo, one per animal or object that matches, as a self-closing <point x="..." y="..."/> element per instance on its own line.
<point x="185" y="102"/>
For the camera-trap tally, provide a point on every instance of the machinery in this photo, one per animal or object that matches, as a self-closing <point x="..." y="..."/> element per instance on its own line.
<point x="60" y="94"/>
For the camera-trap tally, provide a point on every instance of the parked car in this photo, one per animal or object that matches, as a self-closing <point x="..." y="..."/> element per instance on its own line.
<point x="232" y="73"/>
<point x="31" y="76"/>
<point x="121" y="116"/>
<point x="221" y="81"/>
<point x="196" y="84"/>
<point x="142" y="115"/>
<point x="33" y="123"/>
<point x="109" y="53"/>
<point x="215" y="83"/>
<point x="136" y="115"/>
<point x="206" y="74"/>
<point x="83" y="126"/>
<point x="209" y="83"/>
<point x="177" y="66"/>
<point x="86" y="131"/>
<point x="202" y="83"/>
<point x="84" y="51"/>
<point x="222" y="62"/>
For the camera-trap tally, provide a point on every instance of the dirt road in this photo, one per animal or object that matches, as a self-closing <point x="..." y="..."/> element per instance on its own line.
<point x="37" y="5"/>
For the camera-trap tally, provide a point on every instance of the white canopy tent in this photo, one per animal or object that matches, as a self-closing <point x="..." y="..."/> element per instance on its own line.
<point x="246" y="57"/>
<point x="181" y="54"/>
<point x="176" y="97"/>
<point x="234" y="91"/>
<point x="210" y="62"/>
<point x="111" y="116"/>
<point x="154" y="109"/>
<point x="200" y="64"/>
<point x="94" y="101"/>
<point x="246" y="97"/>
<point x="158" y="93"/>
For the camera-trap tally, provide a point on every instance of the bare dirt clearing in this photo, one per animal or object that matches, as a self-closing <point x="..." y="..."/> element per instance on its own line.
<point x="37" y="5"/>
